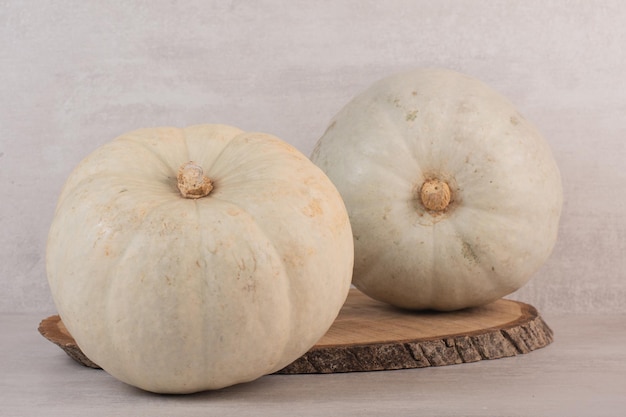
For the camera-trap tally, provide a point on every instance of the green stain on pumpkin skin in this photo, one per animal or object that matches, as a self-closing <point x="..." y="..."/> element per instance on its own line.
<point x="412" y="115"/>
<point x="468" y="252"/>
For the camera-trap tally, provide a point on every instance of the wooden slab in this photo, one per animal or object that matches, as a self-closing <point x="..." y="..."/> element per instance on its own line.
<point x="369" y="335"/>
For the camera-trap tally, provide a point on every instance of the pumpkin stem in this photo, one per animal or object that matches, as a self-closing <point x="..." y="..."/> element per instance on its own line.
<point x="435" y="195"/>
<point x="191" y="181"/>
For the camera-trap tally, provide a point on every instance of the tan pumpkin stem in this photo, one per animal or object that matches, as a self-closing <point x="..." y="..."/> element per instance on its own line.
<point x="192" y="183"/>
<point x="435" y="195"/>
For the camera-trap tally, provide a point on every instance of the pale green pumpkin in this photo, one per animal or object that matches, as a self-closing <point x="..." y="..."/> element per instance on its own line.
<point x="453" y="196"/>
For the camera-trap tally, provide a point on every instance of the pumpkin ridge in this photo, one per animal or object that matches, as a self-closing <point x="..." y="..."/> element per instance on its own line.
<point x="138" y="140"/>
<point x="399" y="134"/>
<point x="284" y="274"/>
<point x="276" y="256"/>
<point x="120" y="345"/>
<point x="70" y="186"/>
<point x="442" y="128"/>
<point x="134" y="235"/>
<point x="224" y="172"/>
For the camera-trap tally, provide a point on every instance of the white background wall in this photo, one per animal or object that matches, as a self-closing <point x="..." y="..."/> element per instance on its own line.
<point x="75" y="74"/>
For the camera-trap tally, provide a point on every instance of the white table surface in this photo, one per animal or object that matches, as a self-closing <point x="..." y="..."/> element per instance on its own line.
<point x="583" y="373"/>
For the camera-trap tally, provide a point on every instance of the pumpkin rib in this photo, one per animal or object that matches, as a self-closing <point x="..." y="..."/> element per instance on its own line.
<point x="278" y="261"/>
<point x="436" y="283"/>
<point x="485" y="282"/>
<point x="102" y="320"/>
<point x="244" y="162"/>
<point x="111" y="301"/>
<point x="269" y="238"/>
<point x="401" y="137"/>
<point x="511" y="230"/>
<point x="416" y="142"/>
<point x="139" y="141"/>
<point x="103" y="170"/>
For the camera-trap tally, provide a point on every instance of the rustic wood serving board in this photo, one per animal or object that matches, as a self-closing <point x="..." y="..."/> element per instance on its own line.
<point x="369" y="335"/>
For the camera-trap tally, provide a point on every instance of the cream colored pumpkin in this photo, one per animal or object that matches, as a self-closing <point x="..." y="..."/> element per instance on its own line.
<point x="177" y="295"/>
<point x="453" y="196"/>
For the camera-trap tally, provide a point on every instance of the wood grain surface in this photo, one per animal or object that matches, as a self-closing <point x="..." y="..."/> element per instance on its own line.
<point x="370" y="335"/>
